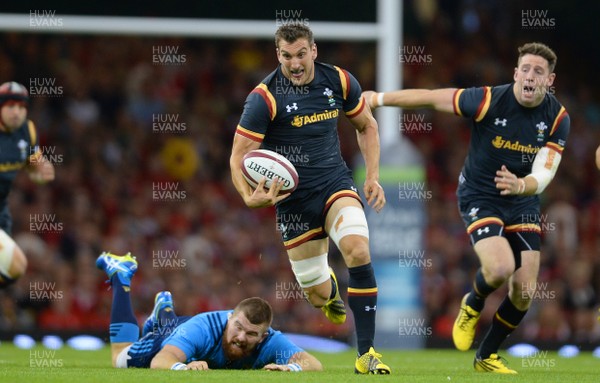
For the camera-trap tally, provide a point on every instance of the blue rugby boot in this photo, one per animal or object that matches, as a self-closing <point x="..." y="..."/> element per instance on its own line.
<point x="123" y="265"/>
<point x="162" y="300"/>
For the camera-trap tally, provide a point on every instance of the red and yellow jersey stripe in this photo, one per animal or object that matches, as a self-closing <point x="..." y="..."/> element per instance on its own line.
<point x="455" y="100"/>
<point x="356" y="111"/>
<point x="484" y="105"/>
<point x="523" y="227"/>
<point x="562" y="113"/>
<point x="258" y="137"/>
<point x="484" y="222"/>
<point x="305" y="237"/>
<point x="337" y="195"/>
<point x="266" y="94"/>
<point x="344" y="80"/>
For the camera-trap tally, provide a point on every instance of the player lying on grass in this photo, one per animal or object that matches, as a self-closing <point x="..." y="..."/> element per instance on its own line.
<point x="234" y="339"/>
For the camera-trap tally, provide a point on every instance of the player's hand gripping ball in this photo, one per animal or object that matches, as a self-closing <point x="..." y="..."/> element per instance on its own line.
<point x="261" y="163"/>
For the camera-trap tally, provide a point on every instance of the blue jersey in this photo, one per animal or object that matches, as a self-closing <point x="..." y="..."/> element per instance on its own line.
<point x="503" y="132"/>
<point x="300" y="122"/>
<point x="201" y="338"/>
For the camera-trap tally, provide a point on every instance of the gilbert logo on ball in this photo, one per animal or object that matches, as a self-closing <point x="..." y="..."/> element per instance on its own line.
<point x="261" y="163"/>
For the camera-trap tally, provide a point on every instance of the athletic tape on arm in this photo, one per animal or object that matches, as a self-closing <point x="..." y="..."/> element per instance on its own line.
<point x="544" y="167"/>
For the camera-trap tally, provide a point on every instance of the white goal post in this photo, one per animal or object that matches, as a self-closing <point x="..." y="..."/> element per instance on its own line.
<point x="387" y="32"/>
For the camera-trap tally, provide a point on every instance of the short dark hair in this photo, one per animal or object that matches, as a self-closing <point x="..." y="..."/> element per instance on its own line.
<point x="257" y="310"/>
<point x="292" y="32"/>
<point x="539" y="49"/>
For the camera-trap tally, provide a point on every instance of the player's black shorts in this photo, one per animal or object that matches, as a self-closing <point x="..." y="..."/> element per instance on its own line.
<point x="301" y="216"/>
<point x="142" y="351"/>
<point x="5" y="219"/>
<point x="515" y="218"/>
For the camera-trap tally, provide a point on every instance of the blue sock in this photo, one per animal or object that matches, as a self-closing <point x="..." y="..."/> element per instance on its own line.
<point x="123" y="323"/>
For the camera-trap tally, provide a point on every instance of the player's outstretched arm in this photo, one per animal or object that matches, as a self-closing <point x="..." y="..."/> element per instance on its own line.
<point x="367" y="134"/>
<point x="598" y="157"/>
<point x="300" y="361"/>
<point x="438" y="99"/>
<point x="170" y="357"/>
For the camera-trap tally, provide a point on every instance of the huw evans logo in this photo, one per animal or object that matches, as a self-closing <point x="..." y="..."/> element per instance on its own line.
<point x="167" y="191"/>
<point x="537" y="19"/>
<point x="44" y="223"/>
<point x="168" y="259"/>
<point x="44" y="291"/>
<point x="289" y="16"/>
<point x="167" y="55"/>
<point x="167" y="123"/>
<point x="44" y="87"/>
<point x="44" y="18"/>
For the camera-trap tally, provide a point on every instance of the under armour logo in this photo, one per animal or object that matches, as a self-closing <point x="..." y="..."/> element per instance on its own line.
<point x="293" y="107"/>
<point x="482" y="230"/>
<point x="500" y="122"/>
<point x="369" y="308"/>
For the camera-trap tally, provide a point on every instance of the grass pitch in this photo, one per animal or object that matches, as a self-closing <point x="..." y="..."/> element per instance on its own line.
<point x="428" y="366"/>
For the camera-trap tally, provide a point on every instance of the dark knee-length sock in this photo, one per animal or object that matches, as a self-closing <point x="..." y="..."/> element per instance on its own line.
<point x="505" y="321"/>
<point x="479" y="291"/>
<point x="362" y="299"/>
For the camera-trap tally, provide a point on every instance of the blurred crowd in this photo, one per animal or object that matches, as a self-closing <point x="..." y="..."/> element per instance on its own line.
<point x="126" y="180"/>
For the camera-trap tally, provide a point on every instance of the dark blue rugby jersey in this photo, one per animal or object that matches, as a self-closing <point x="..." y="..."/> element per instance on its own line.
<point x="16" y="149"/>
<point x="503" y="132"/>
<point x="300" y="122"/>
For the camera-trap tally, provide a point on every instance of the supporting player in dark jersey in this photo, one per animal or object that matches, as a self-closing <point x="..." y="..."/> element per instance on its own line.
<point x="518" y="134"/>
<point x="18" y="149"/>
<point x="294" y="111"/>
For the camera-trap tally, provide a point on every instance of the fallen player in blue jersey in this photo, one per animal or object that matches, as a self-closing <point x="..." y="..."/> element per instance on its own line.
<point x="233" y="339"/>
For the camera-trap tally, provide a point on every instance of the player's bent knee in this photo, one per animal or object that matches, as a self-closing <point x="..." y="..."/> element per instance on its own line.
<point x="311" y="271"/>
<point x="350" y="220"/>
<point x="522" y="294"/>
<point x="13" y="262"/>
<point x="122" y="355"/>
<point x="355" y="250"/>
<point x="317" y="296"/>
<point x="497" y="276"/>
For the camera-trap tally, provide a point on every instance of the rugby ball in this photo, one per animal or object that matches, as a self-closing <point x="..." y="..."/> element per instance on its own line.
<point x="261" y="163"/>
